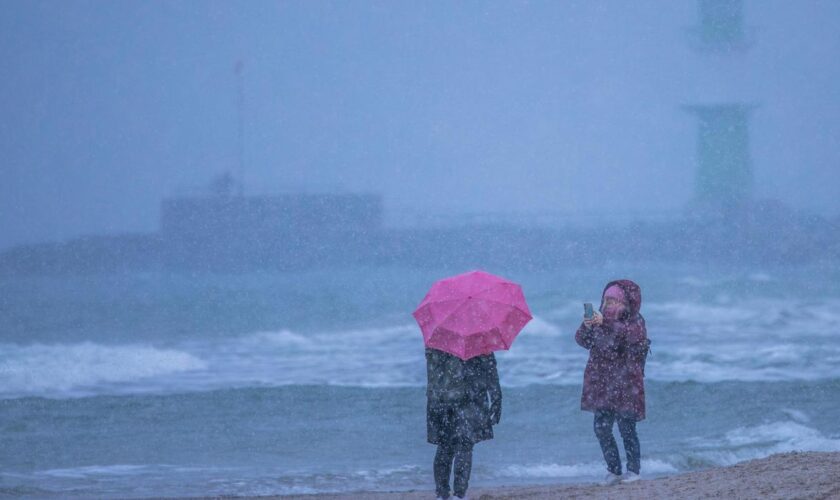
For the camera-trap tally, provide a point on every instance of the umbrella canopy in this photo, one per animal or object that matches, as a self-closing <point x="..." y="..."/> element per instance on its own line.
<point x="472" y="314"/>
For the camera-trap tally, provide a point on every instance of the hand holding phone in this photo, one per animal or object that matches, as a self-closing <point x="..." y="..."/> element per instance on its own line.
<point x="590" y="316"/>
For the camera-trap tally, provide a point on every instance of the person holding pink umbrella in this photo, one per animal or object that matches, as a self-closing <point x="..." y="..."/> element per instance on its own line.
<point x="464" y="402"/>
<point x="464" y="319"/>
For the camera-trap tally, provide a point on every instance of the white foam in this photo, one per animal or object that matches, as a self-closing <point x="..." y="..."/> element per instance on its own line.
<point x="283" y="338"/>
<point x="754" y="340"/>
<point x="785" y="436"/>
<point x="748" y="443"/>
<point x="758" y="340"/>
<point x="695" y="281"/>
<point x="539" y="327"/>
<point x="579" y="470"/>
<point x="95" y="470"/>
<point x="796" y="415"/>
<point x="700" y="313"/>
<point x="49" y="369"/>
<point x="590" y="469"/>
<point x="760" y="277"/>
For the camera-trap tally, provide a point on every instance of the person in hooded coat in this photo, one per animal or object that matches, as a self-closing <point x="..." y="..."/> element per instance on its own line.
<point x="464" y="401"/>
<point x="613" y="382"/>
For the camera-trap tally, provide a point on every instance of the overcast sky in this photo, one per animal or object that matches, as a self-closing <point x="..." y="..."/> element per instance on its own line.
<point x="574" y="106"/>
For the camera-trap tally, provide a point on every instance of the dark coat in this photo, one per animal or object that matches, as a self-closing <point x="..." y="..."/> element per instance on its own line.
<point x="463" y="398"/>
<point x="615" y="373"/>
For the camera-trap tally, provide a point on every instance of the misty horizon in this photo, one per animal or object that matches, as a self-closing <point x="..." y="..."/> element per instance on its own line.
<point x="441" y="108"/>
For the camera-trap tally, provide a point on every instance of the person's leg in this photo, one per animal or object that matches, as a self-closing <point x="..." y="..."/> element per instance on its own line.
<point x="627" y="428"/>
<point x="463" y="467"/>
<point x="603" y="431"/>
<point x="443" y="467"/>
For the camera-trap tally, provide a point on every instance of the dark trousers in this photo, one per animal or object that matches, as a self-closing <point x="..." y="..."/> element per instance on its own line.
<point x="627" y="427"/>
<point x="461" y="455"/>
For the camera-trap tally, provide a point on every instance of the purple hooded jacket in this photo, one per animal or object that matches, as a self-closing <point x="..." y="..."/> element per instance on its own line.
<point x="615" y="373"/>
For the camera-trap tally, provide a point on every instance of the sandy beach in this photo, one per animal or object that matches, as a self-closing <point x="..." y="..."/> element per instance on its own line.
<point x="805" y="475"/>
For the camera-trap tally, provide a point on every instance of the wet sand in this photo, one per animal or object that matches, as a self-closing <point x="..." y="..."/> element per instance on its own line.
<point x="805" y="475"/>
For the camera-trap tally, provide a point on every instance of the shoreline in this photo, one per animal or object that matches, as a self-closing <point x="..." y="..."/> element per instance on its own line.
<point x="812" y="475"/>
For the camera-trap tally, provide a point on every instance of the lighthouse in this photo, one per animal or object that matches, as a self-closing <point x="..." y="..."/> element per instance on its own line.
<point x="723" y="176"/>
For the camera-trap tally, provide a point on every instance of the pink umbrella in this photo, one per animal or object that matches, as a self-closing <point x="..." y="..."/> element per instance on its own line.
<point x="472" y="314"/>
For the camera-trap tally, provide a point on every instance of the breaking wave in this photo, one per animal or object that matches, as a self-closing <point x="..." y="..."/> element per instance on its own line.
<point x="85" y="368"/>
<point x="762" y="340"/>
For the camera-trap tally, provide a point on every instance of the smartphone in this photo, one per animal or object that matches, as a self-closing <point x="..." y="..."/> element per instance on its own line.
<point x="588" y="311"/>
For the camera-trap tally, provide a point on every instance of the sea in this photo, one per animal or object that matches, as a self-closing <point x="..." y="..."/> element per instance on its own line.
<point x="270" y="383"/>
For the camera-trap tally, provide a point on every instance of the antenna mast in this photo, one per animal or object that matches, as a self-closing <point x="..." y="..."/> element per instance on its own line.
<point x="240" y="105"/>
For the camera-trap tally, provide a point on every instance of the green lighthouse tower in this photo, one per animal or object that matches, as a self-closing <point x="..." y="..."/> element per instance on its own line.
<point x="724" y="175"/>
<point x="724" y="178"/>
